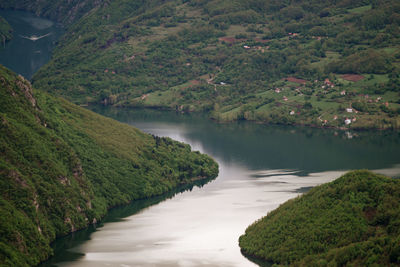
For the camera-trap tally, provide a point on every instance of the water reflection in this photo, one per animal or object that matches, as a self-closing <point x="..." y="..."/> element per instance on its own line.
<point x="197" y="228"/>
<point x="260" y="168"/>
<point x="275" y="147"/>
<point x="32" y="43"/>
<point x="64" y="247"/>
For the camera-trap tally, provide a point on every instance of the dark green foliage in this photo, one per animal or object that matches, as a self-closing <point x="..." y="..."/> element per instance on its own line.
<point x="62" y="167"/>
<point x="353" y="221"/>
<point x="5" y="31"/>
<point x="368" y="61"/>
<point x="226" y="58"/>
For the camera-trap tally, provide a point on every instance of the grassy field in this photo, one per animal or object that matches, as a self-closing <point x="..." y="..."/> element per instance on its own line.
<point x="148" y="55"/>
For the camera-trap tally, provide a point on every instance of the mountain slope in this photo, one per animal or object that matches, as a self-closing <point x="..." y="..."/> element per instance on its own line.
<point x="62" y="167"/>
<point x="291" y="62"/>
<point x="352" y="221"/>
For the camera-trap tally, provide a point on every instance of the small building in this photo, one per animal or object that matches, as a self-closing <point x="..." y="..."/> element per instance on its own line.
<point x="277" y="90"/>
<point x="349" y="110"/>
<point x="246" y="47"/>
<point x="292" y="112"/>
<point x="327" y="82"/>
<point x="343" y="92"/>
<point x="347" y="121"/>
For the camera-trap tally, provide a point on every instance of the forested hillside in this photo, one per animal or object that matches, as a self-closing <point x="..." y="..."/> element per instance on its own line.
<point x="353" y="221"/>
<point x="62" y="167"/>
<point x="321" y="63"/>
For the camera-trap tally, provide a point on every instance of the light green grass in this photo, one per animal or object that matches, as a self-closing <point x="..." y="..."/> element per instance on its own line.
<point x="359" y="10"/>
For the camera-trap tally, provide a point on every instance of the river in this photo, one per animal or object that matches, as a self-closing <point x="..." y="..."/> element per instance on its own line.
<point x="33" y="40"/>
<point x="260" y="167"/>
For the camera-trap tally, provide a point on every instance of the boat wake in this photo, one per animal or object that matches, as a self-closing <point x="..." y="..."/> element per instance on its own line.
<point x="34" y="37"/>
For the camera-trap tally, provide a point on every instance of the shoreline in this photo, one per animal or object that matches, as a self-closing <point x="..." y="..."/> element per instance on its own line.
<point x="209" y="117"/>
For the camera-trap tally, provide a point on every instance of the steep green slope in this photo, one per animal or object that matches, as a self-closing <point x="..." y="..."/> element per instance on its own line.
<point x="5" y="31"/>
<point x="353" y="221"/>
<point x="290" y="62"/>
<point x="62" y="167"/>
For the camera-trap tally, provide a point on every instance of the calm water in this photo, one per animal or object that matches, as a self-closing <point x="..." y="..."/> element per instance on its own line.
<point x="260" y="167"/>
<point x="25" y="56"/>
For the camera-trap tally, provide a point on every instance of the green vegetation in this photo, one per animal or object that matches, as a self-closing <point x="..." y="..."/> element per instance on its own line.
<point x="5" y="31"/>
<point x="63" y="166"/>
<point x="353" y="221"/>
<point x="228" y="58"/>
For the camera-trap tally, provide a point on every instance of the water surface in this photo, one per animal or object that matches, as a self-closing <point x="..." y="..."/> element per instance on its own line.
<point x="260" y="167"/>
<point x="25" y="54"/>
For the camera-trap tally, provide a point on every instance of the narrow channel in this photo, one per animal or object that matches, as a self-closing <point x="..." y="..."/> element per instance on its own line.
<point x="33" y="40"/>
<point x="260" y="168"/>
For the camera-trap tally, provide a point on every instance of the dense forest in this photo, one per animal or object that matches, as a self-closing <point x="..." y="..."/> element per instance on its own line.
<point x="352" y="221"/>
<point x="320" y="63"/>
<point x="62" y="167"/>
<point x="332" y="63"/>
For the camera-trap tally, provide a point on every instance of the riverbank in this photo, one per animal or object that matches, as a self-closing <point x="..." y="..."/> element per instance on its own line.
<point x="359" y="122"/>
<point x="275" y="70"/>
<point x="260" y="167"/>
<point x="64" y="167"/>
<point x="351" y="220"/>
